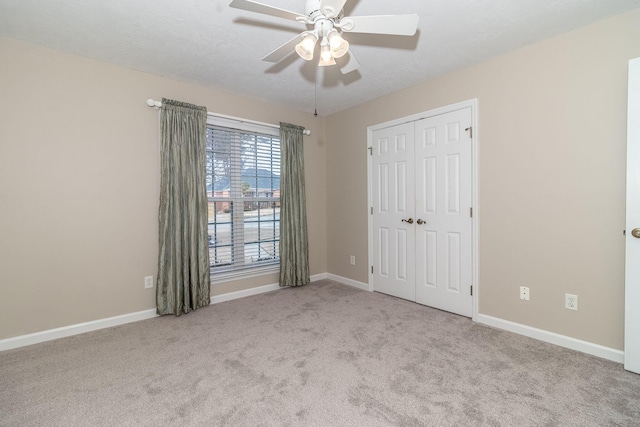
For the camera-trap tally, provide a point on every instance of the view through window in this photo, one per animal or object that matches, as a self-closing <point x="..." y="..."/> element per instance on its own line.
<point x="243" y="188"/>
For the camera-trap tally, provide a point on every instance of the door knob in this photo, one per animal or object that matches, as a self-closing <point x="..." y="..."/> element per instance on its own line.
<point x="636" y="233"/>
<point x="420" y="221"/>
<point x="410" y="220"/>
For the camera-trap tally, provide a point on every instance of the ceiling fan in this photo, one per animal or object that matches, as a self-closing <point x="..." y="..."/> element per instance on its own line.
<point x="325" y="22"/>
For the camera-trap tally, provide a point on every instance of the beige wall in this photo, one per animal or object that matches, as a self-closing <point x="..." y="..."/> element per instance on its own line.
<point x="552" y="120"/>
<point x="79" y="181"/>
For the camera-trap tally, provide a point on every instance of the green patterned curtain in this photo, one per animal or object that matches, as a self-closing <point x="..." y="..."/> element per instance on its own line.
<point x="183" y="264"/>
<point x="294" y="245"/>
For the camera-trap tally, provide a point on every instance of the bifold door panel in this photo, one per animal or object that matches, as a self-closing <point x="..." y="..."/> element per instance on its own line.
<point x="422" y="195"/>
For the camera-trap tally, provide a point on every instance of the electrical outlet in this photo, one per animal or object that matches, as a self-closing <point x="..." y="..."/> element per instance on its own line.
<point x="353" y="260"/>
<point x="571" y="302"/>
<point x="148" y="282"/>
<point x="524" y="293"/>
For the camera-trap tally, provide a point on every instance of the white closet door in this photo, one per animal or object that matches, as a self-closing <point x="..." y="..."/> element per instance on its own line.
<point x="393" y="205"/>
<point x="421" y="225"/>
<point x="443" y="201"/>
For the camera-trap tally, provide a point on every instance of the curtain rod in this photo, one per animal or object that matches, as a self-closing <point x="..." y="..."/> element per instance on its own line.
<point x="158" y="104"/>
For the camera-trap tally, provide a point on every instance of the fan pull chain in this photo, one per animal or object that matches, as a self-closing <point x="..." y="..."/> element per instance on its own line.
<point x="315" y="95"/>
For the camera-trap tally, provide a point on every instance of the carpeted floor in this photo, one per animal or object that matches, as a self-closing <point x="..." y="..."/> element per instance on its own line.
<point x="321" y="355"/>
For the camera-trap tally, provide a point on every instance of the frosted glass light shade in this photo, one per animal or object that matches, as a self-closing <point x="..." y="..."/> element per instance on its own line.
<point x="326" y="57"/>
<point x="339" y="46"/>
<point x="306" y="47"/>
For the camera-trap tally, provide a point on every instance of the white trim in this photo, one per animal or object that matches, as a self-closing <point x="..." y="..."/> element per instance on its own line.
<point x="632" y="248"/>
<point x="539" y="334"/>
<point x="553" y="338"/>
<point x="241" y="274"/>
<point x="321" y="276"/>
<point x="256" y="291"/>
<point x="473" y="104"/>
<point x="349" y="282"/>
<point x="425" y="114"/>
<point x="242" y="124"/>
<point x="78" y="328"/>
<point x="475" y="221"/>
<point x="223" y="120"/>
<point x="94" y="325"/>
<point x="244" y="293"/>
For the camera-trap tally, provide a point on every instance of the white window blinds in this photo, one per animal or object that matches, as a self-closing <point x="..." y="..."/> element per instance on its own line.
<point x="243" y="187"/>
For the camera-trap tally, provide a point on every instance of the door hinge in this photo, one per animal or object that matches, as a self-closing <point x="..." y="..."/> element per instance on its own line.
<point x="624" y="232"/>
<point x="370" y="150"/>
<point x="372" y="269"/>
<point x="371" y="210"/>
<point x="471" y="212"/>
<point x="470" y="130"/>
<point x="471" y="290"/>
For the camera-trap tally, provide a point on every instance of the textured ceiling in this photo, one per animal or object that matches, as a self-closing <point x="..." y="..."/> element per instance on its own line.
<point x="208" y="43"/>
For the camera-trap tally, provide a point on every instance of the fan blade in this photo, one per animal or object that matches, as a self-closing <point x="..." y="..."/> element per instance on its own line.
<point x="400" y="25"/>
<point x="331" y="8"/>
<point x="348" y="63"/>
<point x="283" y="51"/>
<point x="254" y="6"/>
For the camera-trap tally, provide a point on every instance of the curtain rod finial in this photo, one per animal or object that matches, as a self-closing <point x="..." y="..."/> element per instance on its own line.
<point x="154" y="103"/>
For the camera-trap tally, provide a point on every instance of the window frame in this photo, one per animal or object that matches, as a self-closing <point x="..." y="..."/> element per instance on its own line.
<point x="251" y="127"/>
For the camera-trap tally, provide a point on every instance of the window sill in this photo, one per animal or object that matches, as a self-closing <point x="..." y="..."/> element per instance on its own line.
<point x="228" y="276"/>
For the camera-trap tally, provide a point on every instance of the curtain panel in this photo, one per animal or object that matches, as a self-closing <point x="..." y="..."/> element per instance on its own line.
<point x="183" y="281"/>
<point x="294" y="246"/>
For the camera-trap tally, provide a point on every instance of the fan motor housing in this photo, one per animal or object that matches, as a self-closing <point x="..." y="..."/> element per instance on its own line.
<point x="312" y="7"/>
<point x="313" y="10"/>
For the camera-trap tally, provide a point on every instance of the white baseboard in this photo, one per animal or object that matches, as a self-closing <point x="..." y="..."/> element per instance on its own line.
<point x="539" y="334"/>
<point x="94" y="325"/>
<point x="320" y="276"/>
<point x="78" y="328"/>
<point x="256" y="291"/>
<point x="528" y="331"/>
<point x="350" y="282"/>
<point x="553" y="338"/>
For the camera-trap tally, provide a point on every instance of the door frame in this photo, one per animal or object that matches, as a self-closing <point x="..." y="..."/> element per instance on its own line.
<point x="473" y="104"/>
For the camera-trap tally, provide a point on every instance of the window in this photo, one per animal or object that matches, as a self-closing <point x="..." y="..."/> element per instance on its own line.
<point x="243" y="188"/>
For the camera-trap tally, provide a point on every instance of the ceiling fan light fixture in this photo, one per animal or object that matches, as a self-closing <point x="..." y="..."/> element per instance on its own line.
<point x="324" y="63"/>
<point x="339" y="46"/>
<point x="306" y="47"/>
<point x="326" y="57"/>
<point x="327" y="19"/>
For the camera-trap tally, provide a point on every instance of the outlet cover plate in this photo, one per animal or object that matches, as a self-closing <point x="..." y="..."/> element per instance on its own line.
<point x="571" y="302"/>
<point x="148" y="282"/>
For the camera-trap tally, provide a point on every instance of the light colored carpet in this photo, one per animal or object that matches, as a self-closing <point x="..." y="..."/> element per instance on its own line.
<point x="321" y="355"/>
